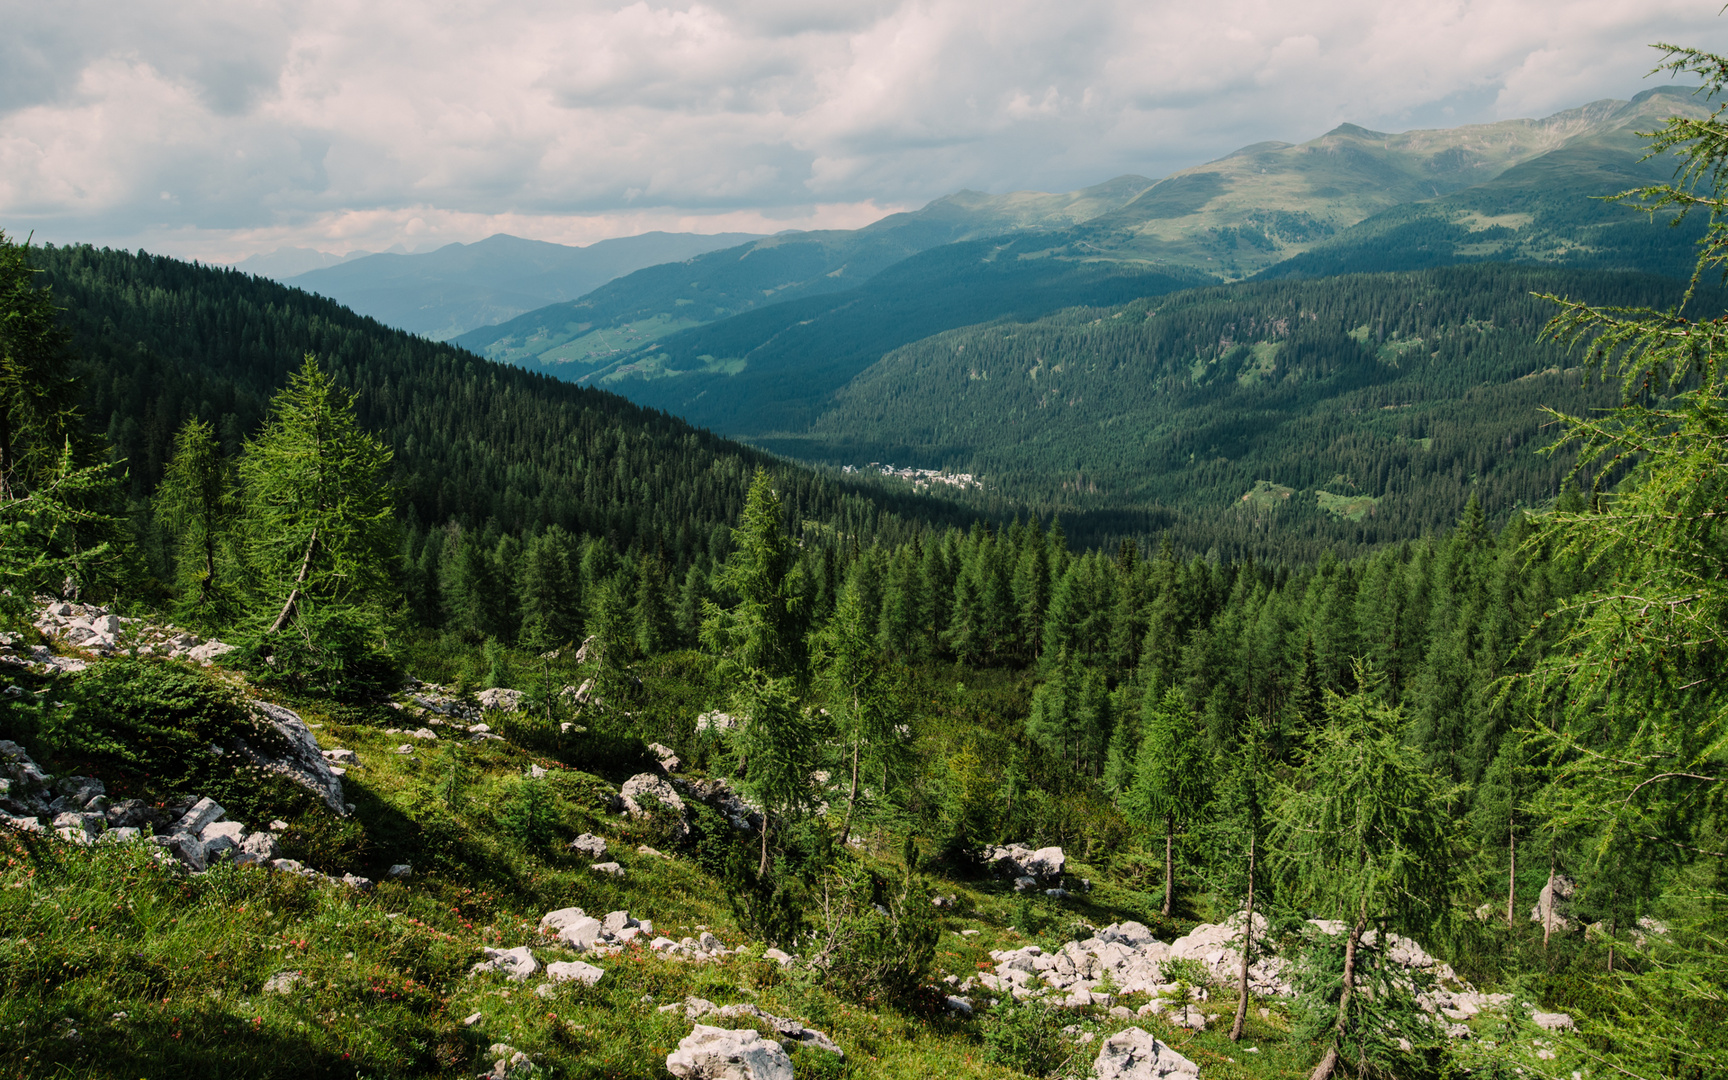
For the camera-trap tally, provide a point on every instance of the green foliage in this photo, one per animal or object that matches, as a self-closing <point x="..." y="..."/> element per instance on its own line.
<point x="197" y="503"/>
<point x="1025" y="1036"/>
<point x="876" y="941"/>
<point x="528" y="813"/>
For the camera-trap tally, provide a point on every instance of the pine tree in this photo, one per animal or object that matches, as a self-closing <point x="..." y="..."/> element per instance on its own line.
<point x="196" y="502"/>
<point x="1364" y="836"/>
<point x="318" y="522"/>
<point x="1171" y="785"/>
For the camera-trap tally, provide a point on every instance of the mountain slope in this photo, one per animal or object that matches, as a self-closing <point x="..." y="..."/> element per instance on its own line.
<point x="160" y="341"/>
<point x="660" y="300"/>
<point x="1548" y="209"/>
<point x="1376" y="403"/>
<point x="444" y="293"/>
<point x="773" y="368"/>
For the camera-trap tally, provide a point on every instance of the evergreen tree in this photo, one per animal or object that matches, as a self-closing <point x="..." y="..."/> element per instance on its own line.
<point x="1364" y="837"/>
<point x="550" y="596"/>
<point x="856" y="687"/>
<point x="318" y="524"/>
<point x="1171" y="785"/>
<point x="37" y="392"/>
<point x="196" y="502"/>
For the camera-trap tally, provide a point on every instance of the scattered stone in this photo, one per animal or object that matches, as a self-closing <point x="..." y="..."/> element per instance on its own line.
<point x="423" y="733"/>
<point x="400" y="871"/>
<point x="405" y="748"/>
<point x="711" y="1053"/>
<point x="282" y="982"/>
<point x="574" y="971"/>
<point x="471" y="1019"/>
<point x="516" y="964"/>
<point x="611" y="869"/>
<point x="1134" y="1054"/>
<point x="778" y="956"/>
<point x="355" y="881"/>
<point x="589" y="844"/>
<point x="960" y="1005"/>
<point x="1553" y="1021"/>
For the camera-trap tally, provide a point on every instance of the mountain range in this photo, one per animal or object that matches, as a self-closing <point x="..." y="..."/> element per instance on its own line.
<point x="759" y="338"/>
<point x="458" y="287"/>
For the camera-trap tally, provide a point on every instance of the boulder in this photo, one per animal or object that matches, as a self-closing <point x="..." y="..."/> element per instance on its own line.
<point x="590" y="845"/>
<point x="668" y="759"/>
<point x="25" y="785"/>
<point x="1134" y="1054"/>
<point x="501" y="699"/>
<point x="294" y="755"/>
<point x="584" y="932"/>
<point x="516" y="964"/>
<point x="719" y="797"/>
<point x="122" y="834"/>
<point x="203" y="812"/>
<point x="233" y="830"/>
<point x="1021" y="861"/>
<point x="716" y="721"/>
<point x="129" y="813"/>
<point x="80" y="789"/>
<point x="646" y="792"/>
<point x="610" y="869"/>
<point x="1555" y="902"/>
<point x="398" y="871"/>
<point x="79" y="827"/>
<point x="574" y="971"/>
<point x="711" y="1053"/>
<point x="259" y="847"/>
<point x="617" y="921"/>
<point x="186" y="848"/>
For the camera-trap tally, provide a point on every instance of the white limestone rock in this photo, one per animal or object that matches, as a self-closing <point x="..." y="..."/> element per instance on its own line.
<point x="516" y="964"/>
<point x="1134" y="1054"/>
<point x="711" y="1053"/>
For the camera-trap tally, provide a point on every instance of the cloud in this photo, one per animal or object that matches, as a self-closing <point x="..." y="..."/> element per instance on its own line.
<point x="210" y="129"/>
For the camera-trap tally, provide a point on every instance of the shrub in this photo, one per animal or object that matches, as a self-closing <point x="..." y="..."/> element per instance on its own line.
<point x="1024" y="1035"/>
<point x="876" y="941"/>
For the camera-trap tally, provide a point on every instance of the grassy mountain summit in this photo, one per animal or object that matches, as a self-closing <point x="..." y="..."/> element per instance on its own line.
<point x="1268" y="202"/>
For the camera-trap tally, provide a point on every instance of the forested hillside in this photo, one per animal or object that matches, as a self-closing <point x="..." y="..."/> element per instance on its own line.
<point x="1350" y="410"/>
<point x="159" y="342"/>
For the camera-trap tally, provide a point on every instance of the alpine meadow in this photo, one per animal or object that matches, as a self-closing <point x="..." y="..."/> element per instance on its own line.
<point x="1264" y="622"/>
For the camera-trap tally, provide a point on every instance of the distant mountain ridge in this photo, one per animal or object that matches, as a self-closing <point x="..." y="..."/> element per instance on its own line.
<point x="660" y="300"/>
<point x="444" y="293"/>
<point x="740" y="340"/>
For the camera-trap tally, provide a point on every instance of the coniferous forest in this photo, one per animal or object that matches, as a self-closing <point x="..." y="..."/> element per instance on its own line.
<point x="1501" y="738"/>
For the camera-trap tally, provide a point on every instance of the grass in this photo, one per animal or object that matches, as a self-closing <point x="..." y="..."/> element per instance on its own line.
<point x="113" y="965"/>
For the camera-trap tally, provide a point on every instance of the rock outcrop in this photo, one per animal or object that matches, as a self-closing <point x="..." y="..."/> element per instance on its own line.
<point x="1134" y="1054"/>
<point x="1021" y="863"/>
<point x="711" y="1053"/>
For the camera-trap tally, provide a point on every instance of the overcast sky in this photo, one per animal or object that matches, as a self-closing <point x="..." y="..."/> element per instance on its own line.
<point x="221" y="129"/>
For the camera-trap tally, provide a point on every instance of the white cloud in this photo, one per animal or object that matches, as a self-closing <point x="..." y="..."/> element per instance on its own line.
<point x="338" y="124"/>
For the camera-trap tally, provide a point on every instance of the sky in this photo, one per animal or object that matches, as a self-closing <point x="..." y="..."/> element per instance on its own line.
<point x="218" y="130"/>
